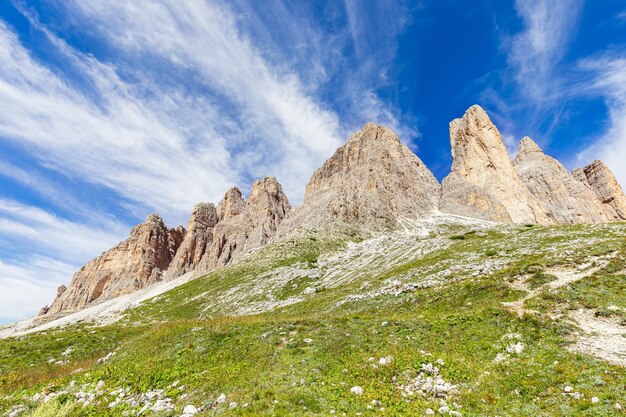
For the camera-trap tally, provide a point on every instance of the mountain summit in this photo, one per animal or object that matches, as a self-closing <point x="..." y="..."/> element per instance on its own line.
<point x="483" y="182"/>
<point x="131" y="265"/>
<point x="566" y="199"/>
<point x="372" y="180"/>
<point x="369" y="183"/>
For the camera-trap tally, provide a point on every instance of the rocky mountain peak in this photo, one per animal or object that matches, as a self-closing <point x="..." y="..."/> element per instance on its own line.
<point x="565" y="199"/>
<point x="232" y="204"/>
<point x="477" y="146"/>
<point x="372" y="133"/>
<point x="372" y="182"/>
<point x="153" y="222"/>
<point x="203" y="216"/>
<point x="483" y="182"/>
<point x="268" y="197"/>
<point x="526" y="147"/>
<point x="606" y="187"/>
<point x="198" y="238"/>
<point x="127" y="267"/>
<point x="373" y="179"/>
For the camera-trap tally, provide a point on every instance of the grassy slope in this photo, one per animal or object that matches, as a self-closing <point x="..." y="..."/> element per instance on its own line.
<point x="302" y="358"/>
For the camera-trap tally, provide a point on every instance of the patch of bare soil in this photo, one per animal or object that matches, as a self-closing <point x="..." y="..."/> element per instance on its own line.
<point x="602" y="337"/>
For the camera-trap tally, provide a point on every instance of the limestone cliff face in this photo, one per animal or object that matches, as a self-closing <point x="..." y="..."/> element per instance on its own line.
<point x="566" y="199"/>
<point x="372" y="180"/>
<point x="197" y="240"/>
<point x="483" y="182"/>
<point x="244" y="225"/>
<point x="608" y="191"/>
<point x="217" y="235"/>
<point x="131" y="265"/>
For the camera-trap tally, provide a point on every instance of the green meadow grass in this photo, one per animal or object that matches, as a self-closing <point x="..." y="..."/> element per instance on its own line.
<point x="301" y="359"/>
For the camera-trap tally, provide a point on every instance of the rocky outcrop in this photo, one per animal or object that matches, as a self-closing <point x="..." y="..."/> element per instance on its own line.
<point x="215" y="236"/>
<point x="483" y="183"/>
<point x="604" y="184"/>
<point x="566" y="199"/>
<point x="243" y="225"/>
<point x="371" y="181"/>
<point x="131" y="265"/>
<point x="197" y="240"/>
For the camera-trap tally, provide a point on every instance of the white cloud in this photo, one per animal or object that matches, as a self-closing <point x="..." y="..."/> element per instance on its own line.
<point x="122" y="142"/>
<point x="535" y="85"/>
<point x="29" y="229"/>
<point x="24" y="290"/>
<point x="40" y="252"/>
<point x="374" y="31"/>
<point x="191" y="99"/>
<point x="292" y="132"/>
<point x="608" y="81"/>
<point x="535" y="52"/>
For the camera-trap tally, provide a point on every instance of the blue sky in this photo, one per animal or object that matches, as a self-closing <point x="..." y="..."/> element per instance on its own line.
<point x="113" y="110"/>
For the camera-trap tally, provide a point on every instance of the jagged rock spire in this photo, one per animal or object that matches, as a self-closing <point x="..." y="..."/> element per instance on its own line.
<point x="566" y="199"/>
<point x="372" y="180"/>
<point x="606" y="187"/>
<point x="131" y="265"/>
<point x="483" y="182"/>
<point x="197" y="240"/>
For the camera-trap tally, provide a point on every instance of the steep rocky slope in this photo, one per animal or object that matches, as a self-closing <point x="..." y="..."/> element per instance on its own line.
<point x="215" y="236"/>
<point x="483" y="182"/>
<point x="566" y="199"/>
<point x="609" y="192"/>
<point x="371" y="181"/>
<point x="197" y="240"/>
<point x="133" y="264"/>
<point x="244" y="225"/>
<point x="428" y="313"/>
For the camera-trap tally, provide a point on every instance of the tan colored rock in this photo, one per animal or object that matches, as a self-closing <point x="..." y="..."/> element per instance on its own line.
<point x="579" y="174"/>
<point x="372" y="180"/>
<point x="197" y="240"/>
<point x="567" y="200"/>
<point x="608" y="191"/>
<point x="131" y="265"/>
<point x="483" y="183"/>
<point x="244" y="225"/>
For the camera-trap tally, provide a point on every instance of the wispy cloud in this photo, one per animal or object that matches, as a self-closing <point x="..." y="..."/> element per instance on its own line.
<point x="40" y="251"/>
<point x="179" y="102"/>
<point x="374" y="30"/>
<point x="607" y="74"/>
<point x="121" y="142"/>
<point x="537" y="50"/>
<point x="29" y="229"/>
<point x="291" y="130"/>
<point x="535" y="85"/>
<point x="24" y="290"/>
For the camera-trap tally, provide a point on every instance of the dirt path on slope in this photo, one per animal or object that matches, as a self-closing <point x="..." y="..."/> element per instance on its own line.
<point x="563" y="277"/>
<point x="603" y="337"/>
<point x="600" y="337"/>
